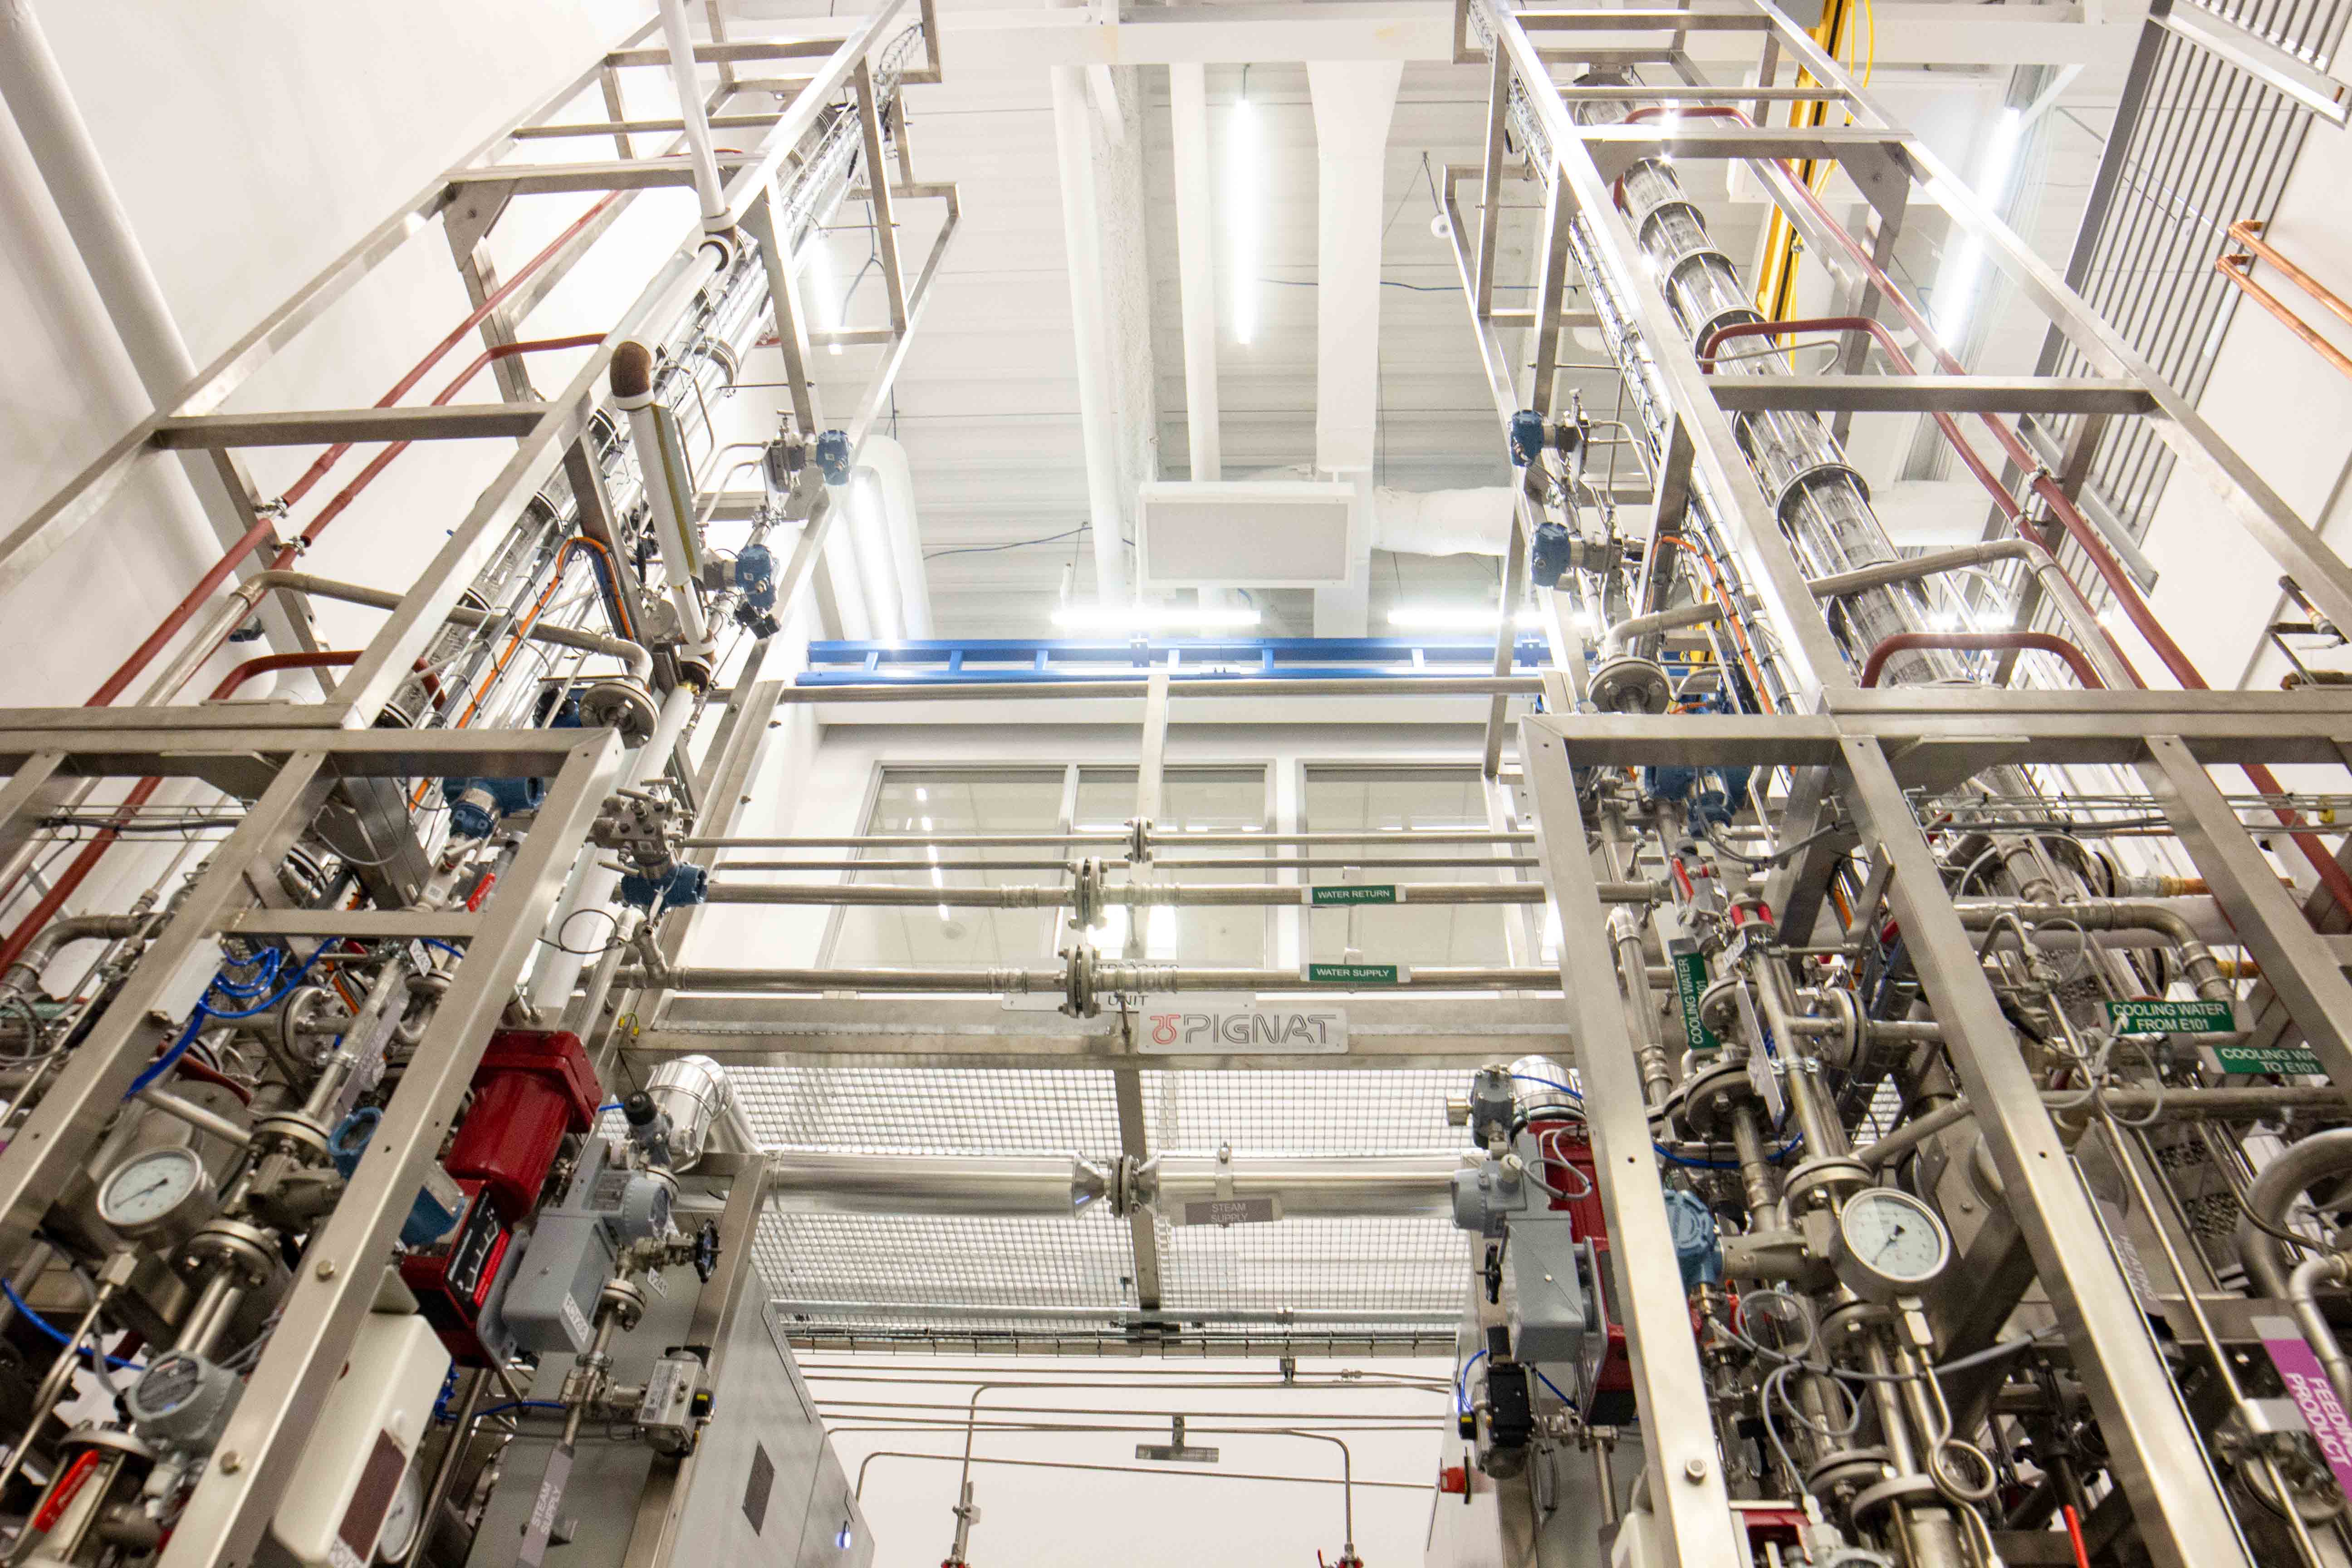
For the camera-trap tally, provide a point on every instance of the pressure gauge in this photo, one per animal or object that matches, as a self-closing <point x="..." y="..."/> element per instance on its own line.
<point x="164" y="1191"/>
<point x="402" y="1520"/>
<point x="1889" y="1244"/>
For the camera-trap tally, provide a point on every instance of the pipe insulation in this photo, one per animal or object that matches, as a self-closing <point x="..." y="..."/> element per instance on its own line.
<point x="883" y="460"/>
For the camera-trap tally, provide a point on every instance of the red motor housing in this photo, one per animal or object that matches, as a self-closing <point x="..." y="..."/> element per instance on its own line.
<point x="534" y="1087"/>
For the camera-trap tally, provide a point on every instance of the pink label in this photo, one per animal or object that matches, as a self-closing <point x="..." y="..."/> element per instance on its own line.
<point x="2306" y="1381"/>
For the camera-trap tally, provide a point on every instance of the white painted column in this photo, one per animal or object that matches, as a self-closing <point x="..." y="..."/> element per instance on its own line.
<point x="33" y="88"/>
<point x="1354" y="102"/>
<point x="1098" y="418"/>
<point x="1196" y="263"/>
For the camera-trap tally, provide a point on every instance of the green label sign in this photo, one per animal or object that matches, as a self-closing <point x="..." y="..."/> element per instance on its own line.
<point x="1353" y="893"/>
<point x="2266" y="1059"/>
<point x="1355" y="974"/>
<point x="2170" y="1017"/>
<point x="1691" y="981"/>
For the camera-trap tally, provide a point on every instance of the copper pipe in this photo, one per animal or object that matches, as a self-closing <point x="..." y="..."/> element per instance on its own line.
<point x="323" y="659"/>
<point x="2240" y="268"/>
<point x="2248" y="232"/>
<point x="1982" y="642"/>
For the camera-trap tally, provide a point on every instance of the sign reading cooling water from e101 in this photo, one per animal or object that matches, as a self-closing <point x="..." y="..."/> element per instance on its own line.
<point x="1185" y="1026"/>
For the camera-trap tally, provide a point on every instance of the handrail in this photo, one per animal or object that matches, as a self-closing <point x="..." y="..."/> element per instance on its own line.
<point x="2238" y="268"/>
<point x="1982" y="642"/>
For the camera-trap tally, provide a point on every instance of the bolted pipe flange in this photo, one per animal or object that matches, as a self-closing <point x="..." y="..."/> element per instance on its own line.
<point x="1086" y="894"/>
<point x="1078" y="1000"/>
<point x="1630" y="685"/>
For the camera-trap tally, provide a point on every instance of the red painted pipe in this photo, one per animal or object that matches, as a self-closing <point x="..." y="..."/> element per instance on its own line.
<point x="1894" y="356"/>
<point x="399" y="389"/>
<point x="263" y="529"/>
<point x="325" y="658"/>
<point x="322" y="660"/>
<point x="1982" y="642"/>
<point x="2062" y="505"/>
<point x="382" y="460"/>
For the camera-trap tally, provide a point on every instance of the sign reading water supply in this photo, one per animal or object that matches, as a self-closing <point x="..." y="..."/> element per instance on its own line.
<point x="1192" y="1026"/>
<point x="2171" y="1018"/>
<point x="1354" y="973"/>
<point x="2287" y="1059"/>
<point x="1334" y="895"/>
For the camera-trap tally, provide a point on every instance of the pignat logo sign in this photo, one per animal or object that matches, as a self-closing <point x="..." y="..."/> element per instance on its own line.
<point x="1216" y="1031"/>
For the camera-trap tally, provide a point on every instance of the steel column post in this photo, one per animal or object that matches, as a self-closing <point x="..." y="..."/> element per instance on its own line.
<point x="343" y="1265"/>
<point x="1695" y="1527"/>
<point x="2155" y="1449"/>
<point x="2296" y="960"/>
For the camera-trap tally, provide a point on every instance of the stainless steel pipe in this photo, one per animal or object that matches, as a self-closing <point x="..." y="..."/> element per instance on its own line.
<point x="1305" y="1186"/>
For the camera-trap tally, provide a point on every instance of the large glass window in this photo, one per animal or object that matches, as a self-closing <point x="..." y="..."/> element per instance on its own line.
<point x="1192" y="800"/>
<point x="923" y="803"/>
<point x="919" y="803"/>
<point x="1392" y="800"/>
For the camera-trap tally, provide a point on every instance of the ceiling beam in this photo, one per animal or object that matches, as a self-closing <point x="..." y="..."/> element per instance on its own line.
<point x="1913" y="33"/>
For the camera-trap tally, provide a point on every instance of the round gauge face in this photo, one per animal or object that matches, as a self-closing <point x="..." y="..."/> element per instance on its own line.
<point x="400" y="1519"/>
<point x="1894" y="1236"/>
<point x="169" y="1382"/>
<point x="149" y="1186"/>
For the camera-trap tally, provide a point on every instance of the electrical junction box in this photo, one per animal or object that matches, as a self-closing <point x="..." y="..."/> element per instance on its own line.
<point x="552" y="1304"/>
<point x="1548" y="1314"/>
<point x="358" y="1451"/>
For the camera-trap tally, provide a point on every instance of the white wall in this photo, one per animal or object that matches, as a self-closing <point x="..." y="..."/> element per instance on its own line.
<point x="2289" y="414"/>
<point x="251" y="143"/>
<point x="1176" y="1518"/>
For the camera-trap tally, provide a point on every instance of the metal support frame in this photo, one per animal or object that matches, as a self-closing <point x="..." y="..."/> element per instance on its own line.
<point x="287" y="762"/>
<point x="1686" y="1485"/>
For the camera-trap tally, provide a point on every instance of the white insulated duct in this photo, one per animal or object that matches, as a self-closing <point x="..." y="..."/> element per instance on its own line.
<point x="883" y="463"/>
<point x="1443" y="522"/>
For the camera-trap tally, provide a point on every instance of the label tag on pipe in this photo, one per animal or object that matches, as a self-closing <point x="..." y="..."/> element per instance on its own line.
<point x="1169" y="1026"/>
<point x="1691" y="981"/>
<point x="2306" y="1381"/>
<point x="1261" y="1208"/>
<point x="1354" y="973"/>
<point x="2172" y="1018"/>
<point x="2287" y="1059"/>
<point x="1335" y="895"/>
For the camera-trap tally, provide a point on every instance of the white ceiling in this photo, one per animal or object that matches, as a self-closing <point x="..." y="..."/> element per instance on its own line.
<point x="988" y="404"/>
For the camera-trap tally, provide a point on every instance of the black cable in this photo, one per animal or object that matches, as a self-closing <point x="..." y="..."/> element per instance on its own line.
<point x="1017" y="544"/>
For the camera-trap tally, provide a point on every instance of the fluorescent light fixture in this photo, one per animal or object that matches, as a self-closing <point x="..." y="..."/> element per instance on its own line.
<point x="1963" y="270"/>
<point x="1151" y="617"/>
<point x="1245" y="167"/>
<point x="922" y="793"/>
<point x="820" y="289"/>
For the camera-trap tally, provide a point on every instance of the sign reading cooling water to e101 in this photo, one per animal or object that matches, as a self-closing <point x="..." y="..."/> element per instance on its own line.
<point x="1186" y="1026"/>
